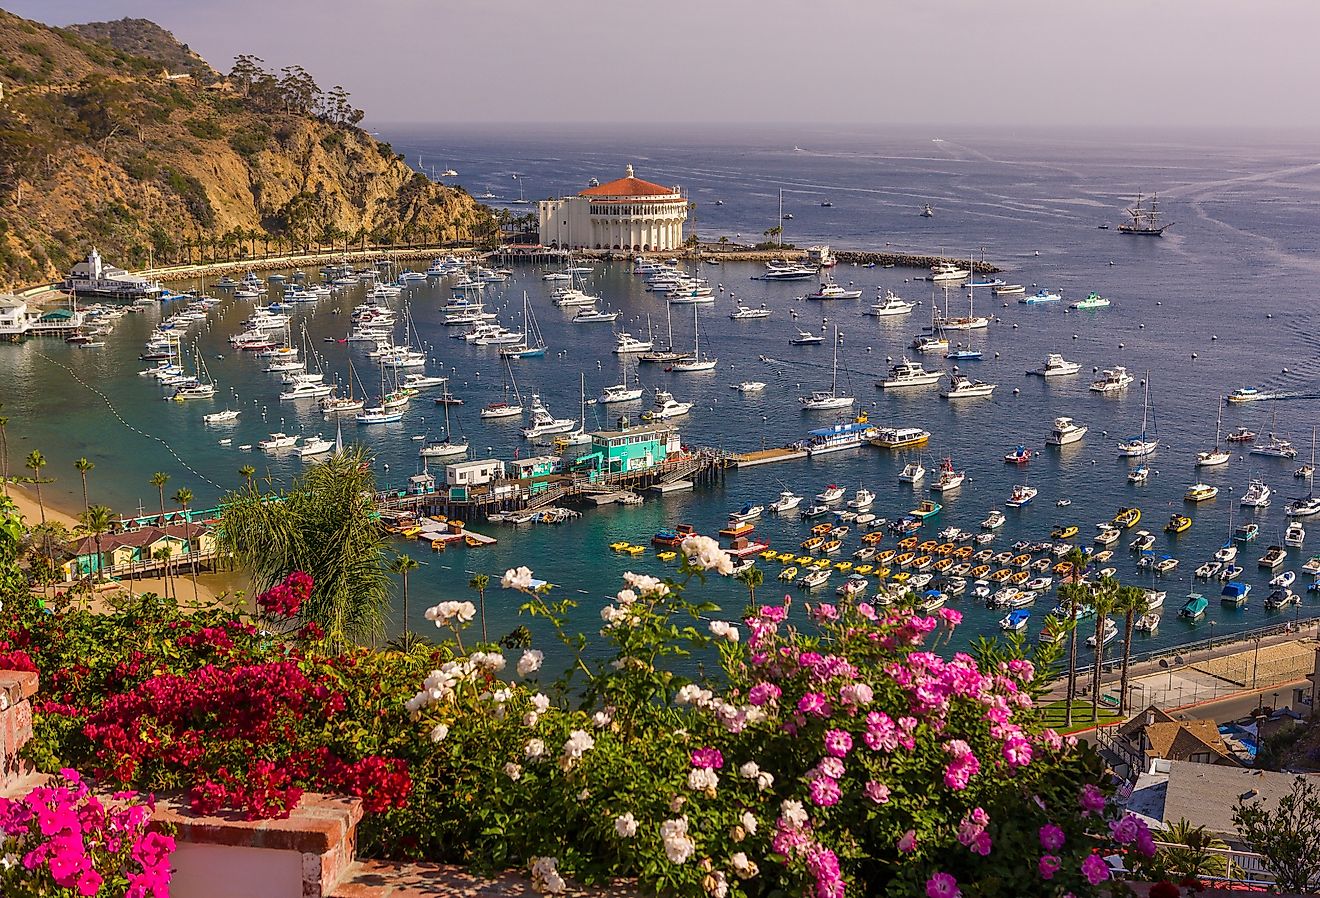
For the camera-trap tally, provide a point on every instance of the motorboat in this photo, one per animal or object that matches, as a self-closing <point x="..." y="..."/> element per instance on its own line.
<point x="1245" y="394"/>
<point x="1280" y="599"/>
<point x="1093" y="301"/>
<point x="1274" y="557"/>
<point x="930" y="343"/>
<point x="277" y="441"/>
<point x="1294" y="535"/>
<point x="862" y="500"/>
<point x="965" y="388"/>
<point x="912" y="472"/>
<point x="744" y="313"/>
<point x="806" y="338"/>
<point x="748" y="512"/>
<point x="1108" y="633"/>
<point x="749" y="386"/>
<point x="1022" y="495"/>
<point x="1246" y="533"/>
<point x="591" y="315"/>
<point x="1019" y="456"/>
<point x="666" y="407"/>
<point x="1148" y="622"/>
<point x="787" y="501"/>
<point x="1112" y="380"/>
<point x="908" y="373"/>
<point x="315" y="446"/>
<point x="1241" y="435"/>
<point x="994" y="520"/>
<point x="227" y="416"/>
<point x="626" y="343"/>
<point x="900" y="437"/>
<point x="1194" y="607"/>
<point x="948" y="479"/>
<point x="1040" y="297"/>
<point x="831" y="494"/>
<point x="1142" y="542"/>
<point x="1200" y="492"/>
<point x="1056" y="366"/>
<point x="1257" y="494"/>
<point x="1015" y="621"/>
<point x="830" y="290"/>
<point x="948" y="271"/>
<point x="1065" y="431"/>
<point x="1008" y="290"/>
<point x="380" y="414"/>
<point x="1127" y="518"/>
<point x="1178" y="523"/>
<point x="1285" y="580"/>
<point x="891" y="306"/>
<point x="544" y="423"/>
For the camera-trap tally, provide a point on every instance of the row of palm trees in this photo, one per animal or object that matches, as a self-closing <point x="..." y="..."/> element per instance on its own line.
<point x="240" y="243"/>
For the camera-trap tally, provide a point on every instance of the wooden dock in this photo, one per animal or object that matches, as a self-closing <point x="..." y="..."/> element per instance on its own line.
<point x="767" y="456"/>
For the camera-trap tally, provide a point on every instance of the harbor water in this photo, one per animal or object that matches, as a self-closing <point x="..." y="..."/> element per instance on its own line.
<point x="1223" y="300"/>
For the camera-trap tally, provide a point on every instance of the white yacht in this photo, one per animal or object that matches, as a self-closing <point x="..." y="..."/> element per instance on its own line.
<point x="749" y="386"/>
<point x="1056" y="366"/>
<point x="806" y="338"/>
<point x="1257" y="494"/>
<point x="787" y="501"/>
<point x="1065" y="431"/>
<point x="307" y="390"/>
<point x="591" y="315"/>
<point x="831" y="290"/>
<point x="891" y="306"/>
<point x="966" y="388"/>
<point x="746" y="314"/>
<point x="948" y="271"/>
<point x="315" y="446"/>
<point x="544" y="423"/>
<point x="667" y="407"/>
<point x="627" y="343"/>
<point x="226" y="417"/>
<point x="1112" y="380"/>
<point x="1295" y="535"/>
<point x="912" y="472"/>
<point x="277" y="441"/>
<point x="908" y="373"/>
<point x="619" y="393"/>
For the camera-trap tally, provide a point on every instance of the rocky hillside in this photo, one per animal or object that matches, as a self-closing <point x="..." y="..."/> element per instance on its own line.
<point x="117" y="135"/>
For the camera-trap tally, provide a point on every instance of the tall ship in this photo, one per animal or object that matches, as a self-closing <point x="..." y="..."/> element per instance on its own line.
<point x="97" y="278"/>
<point x="1145" y="219"/>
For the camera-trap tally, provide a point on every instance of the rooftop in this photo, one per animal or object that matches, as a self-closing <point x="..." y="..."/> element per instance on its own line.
<point x="1205" y="794"/>
<point x="629" y="186"/>
<point x="1181" y="740"/>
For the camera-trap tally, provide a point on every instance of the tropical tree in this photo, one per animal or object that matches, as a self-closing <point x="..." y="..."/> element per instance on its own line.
<point x="402" y="564"/>
<point x="183" y="498"/>
<point x="752" y="578"/>
<point x="1191" y="851"/>
<point x="479" y="583"/>
<point x="1071" y="596"/>
<point x="1129" y="601"/>
<point x="325" y="524"/>
<point x="84" y="466"/>
<point x="247" y="472"/>
<point x="35" y="462"/>
<point x="95" y="522"/>
<point x="1104" y="599"/>
<point x="4" y="454"/>
<point x="1286" y="835"/>
<point x="158" y="480"/>
<point x="163" y="555"/>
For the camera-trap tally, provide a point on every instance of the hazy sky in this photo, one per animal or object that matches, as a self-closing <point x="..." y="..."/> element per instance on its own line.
<point x="1013" y="62"/>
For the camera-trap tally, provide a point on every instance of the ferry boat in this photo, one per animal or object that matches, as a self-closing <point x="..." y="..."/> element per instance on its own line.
<point x="1257" y="494"/>
<point x="1022" y="495"/>
<point x="1112" y="380"/>
<point x="908" y="373"/>
<point x="891" y="306"/>
<point x="948" y="478"/>
<point x="1065" y="432"/>
<point x="1056" y="366"/>
<point x="1093" y="301"/>
<point x="900" y="437"/>
<point x="839" y="437"/>
<point x="1245" y="394"/>
<point x="965" y="388"/>
<point x="95" y="277"/>
<point x="1200" y="492"/>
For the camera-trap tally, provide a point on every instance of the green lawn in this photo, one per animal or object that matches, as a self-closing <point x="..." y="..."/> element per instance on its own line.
<point x="1055" y="713"/>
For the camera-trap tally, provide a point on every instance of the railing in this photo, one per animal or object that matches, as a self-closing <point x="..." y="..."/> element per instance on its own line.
<point x="1240" y="867"/>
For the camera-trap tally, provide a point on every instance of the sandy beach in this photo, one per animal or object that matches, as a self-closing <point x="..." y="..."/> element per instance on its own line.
<point x="211" y="588"/>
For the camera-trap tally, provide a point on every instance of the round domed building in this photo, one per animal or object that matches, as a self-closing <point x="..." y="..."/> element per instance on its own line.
<point x="629" y="215"/>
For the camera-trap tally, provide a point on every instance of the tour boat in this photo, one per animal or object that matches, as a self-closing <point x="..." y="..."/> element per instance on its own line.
<point x="839" y="436"/>
<point x="1245" y="394"/>
<point x="1022" y="495"/>
<point x="912" y="472"/>
<point x="965" y="388"/>
<point x="1257" y="494"/>
<point x="893" y="305"/>
<point x="1200" y="492"/>
<point x="1056" y="366"/>
<point x="1093" y="301"/>
<point x="1112" y="380"/>
<point x="948" y="478"/>
<point x="1142" y="445"/>
<point x="900" y="437"/>
<point x="1065" y="432"/>
<point x="907" y="373"/>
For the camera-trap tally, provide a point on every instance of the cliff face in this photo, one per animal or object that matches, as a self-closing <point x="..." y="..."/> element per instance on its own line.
<point x="99" y="147"/>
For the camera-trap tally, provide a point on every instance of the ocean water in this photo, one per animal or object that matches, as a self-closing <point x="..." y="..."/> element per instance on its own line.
<point x="1224" y="300"/>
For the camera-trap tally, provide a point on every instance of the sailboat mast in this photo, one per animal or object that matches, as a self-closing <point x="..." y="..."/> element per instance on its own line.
<point x="1145" y="407"/>
<point x="696" y="335"/>
<point x="834" y="375"/>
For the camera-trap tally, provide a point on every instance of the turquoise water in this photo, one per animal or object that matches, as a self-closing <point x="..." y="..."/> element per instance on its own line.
<point x="1220" y="302"/>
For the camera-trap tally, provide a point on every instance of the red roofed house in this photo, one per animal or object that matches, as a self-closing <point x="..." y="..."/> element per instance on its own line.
<point x="628" y="214"/>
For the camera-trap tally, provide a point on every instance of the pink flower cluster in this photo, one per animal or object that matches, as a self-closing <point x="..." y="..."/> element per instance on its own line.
<point x="972" y="832"/>
<point x="63" y="832"/>
<point x="286" y="597"/>
<point x="708" y="758"/>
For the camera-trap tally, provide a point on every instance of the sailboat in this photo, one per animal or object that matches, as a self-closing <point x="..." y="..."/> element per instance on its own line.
<point x="936" y="339"/>
<point x="667" y="354"/>
<point x="1145" y="222"/>
<point x="383" y="413"/>
<point x="533" y="344"/>
<point x="503" y="408"/>
<point x="1309" y="504"/>
<point x="821" y="400"/>
<point x="694" y="362"/>
<point x="446" y="448"/>
<point x="579" y="435"/>
<point x="1143" y="445"/>
<point x="342" y="405"/>
<point x="203" y="388"/>
<point x="1218" y="455"/>
<point x="620" y="392"/>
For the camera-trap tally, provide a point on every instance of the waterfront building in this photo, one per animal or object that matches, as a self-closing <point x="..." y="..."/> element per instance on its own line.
<point x="138" y="546"/>
<point x="15" y="318"/>
<point x="627" y="214"/>
<point x="465" y="474"/>
<point x="629" y="450"/>
<point x="57" y="323"/>
<point x="96" y="277"/>
<point x="534" y="466"/>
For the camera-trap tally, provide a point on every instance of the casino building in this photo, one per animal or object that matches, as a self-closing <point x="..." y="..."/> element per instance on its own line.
<point x="628" y="214"/>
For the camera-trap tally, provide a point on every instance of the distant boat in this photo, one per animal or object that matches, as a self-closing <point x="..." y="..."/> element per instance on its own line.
<point x="927" y="211"/>
<point x="1145" y="221"/>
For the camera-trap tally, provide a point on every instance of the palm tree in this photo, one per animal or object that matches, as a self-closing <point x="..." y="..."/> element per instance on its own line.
<point x="402" y="564"/>
<point x="751" y="578"/>
<point x="163" y="554"/>
<point x="1104" y="599"/>
<point x="95" y="522"/>
<point x="247" y="472"/>
<point x="35" y="462"/>
<point x="1194" y="851"/>
<point x="479" y="583"/>
<point x="325" y="523"/>
<point x="4" y="454"/>
<point x="183" y="498"/>
<point x="158" y="480"/>
<point x="84" y="466"/>
<point x="1076" y="560"/>
<point x="1131" y="601"/>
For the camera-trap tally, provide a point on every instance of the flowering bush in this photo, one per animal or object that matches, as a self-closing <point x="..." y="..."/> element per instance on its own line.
<point x="60" y="840"/>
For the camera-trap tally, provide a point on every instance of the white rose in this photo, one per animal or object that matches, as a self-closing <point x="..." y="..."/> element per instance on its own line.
<point x="530" y="662"/>
<point x="439" y="733"/>
<point x="625" y="825"/>
<point x="513" y="771"/>
<point x="534" y="749"/>
<point x="517" y="578"/>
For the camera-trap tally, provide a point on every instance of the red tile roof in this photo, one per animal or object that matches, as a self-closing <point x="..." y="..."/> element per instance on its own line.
<point x="628" y="187"/>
